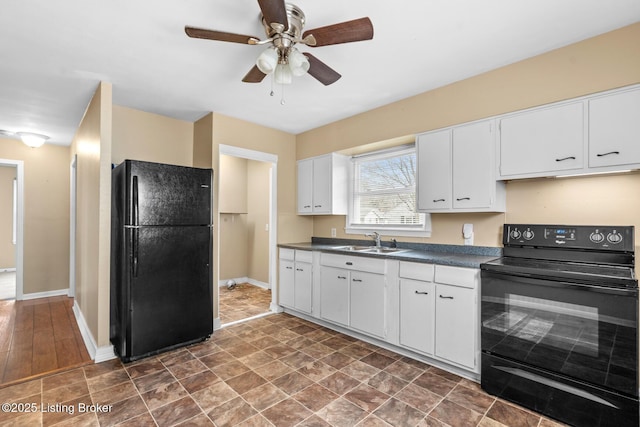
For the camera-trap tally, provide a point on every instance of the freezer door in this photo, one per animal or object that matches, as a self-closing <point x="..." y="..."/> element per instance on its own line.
<point x="171" y="299"/>
<point x="162" y="194"/>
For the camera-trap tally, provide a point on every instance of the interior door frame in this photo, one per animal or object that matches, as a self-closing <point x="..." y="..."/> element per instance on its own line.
<point x="72" y="225"/>
<point x="260" y="156"/>
<point x="19" y="165"/>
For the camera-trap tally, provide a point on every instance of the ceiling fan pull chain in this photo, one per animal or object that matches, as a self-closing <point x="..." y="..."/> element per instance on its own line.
<point x="282" y="101"/>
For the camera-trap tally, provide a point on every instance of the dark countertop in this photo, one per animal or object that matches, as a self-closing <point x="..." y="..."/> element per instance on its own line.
<point x="453" y="255"/>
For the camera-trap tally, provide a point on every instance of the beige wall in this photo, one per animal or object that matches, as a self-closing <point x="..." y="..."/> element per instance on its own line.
<point x="139" y="135"/>
<point x="46" y="214"/>
<point x="7" y="248"/>
<point x="238" y="133"/>
<point x="257" y="218"/>
<point x="92" y="146"/>
<point x="604" y="62"/>
<point x="234" y="246"/>
<point x="232" y="188"/>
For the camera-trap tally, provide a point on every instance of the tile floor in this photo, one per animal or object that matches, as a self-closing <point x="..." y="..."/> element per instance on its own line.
<point x="243" y="301"/>
<point x="273" y="371"/>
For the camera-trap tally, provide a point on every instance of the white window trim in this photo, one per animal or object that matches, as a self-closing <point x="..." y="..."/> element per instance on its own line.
<point x="389" y="230"/>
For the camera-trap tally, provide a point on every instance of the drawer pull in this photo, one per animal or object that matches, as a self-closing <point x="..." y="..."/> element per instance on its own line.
<point x="299" y="269"/>
<point x="306" y="206"/>
<point x="438" y="200"/>
<point x="289" y="268"/>
<point x="463" y="198"/>
<point x="357" y="280"/>
<point x="317" y="206"/>
<point x="443" y="297"/>
<point x="565" y="158"/>
<point x="422" y="293"/>
<point x="349" y="263"/>
<point x="607" y="154"/>
<point x="342" y="277"/>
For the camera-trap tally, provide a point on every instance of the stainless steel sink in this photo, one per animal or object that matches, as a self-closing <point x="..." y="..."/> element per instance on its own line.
<point x="353" y="248"/>
<point x="387" y="251"/>
<point x="370" y="249"/>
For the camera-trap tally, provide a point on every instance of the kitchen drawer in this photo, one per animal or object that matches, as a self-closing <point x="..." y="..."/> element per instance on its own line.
<point x="457" y="276"/>
<point x="288" y="254"/>
<point x="371" y="265"/>
<point x="416" y="271"/>
<point x="303" y="256"/>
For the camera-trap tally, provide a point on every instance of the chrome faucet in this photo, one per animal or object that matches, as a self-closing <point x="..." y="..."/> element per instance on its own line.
<point x="375" y="236"/>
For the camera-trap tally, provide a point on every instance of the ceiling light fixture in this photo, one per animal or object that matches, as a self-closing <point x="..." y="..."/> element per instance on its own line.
<point x="33" y="140"/>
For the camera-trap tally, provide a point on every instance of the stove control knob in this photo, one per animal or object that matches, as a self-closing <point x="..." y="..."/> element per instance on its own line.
<point x="515" y="234"/>
<point x="596" y="237"/>
<point x="528" y="234"/>
<point x="614" y="237"/>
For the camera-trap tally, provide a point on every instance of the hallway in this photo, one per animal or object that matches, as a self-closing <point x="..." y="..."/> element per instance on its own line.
<point x="38" y="337"/>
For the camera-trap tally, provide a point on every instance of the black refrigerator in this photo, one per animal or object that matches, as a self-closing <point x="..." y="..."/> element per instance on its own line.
<point x="161" y="258"/>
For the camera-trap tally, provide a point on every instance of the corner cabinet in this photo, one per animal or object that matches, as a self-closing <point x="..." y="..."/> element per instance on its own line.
<point x="295" y="279"/>
<point x="456" y="171"/>
<point x="323" y="185"/>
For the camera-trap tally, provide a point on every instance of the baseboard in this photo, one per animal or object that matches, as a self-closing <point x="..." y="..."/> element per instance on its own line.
<point x="7" y="270"/>
<point x="248" y="280"/>
<point x="217" y="324"/>
<point x="46" y="294"/>
<point x="97" y="354"/>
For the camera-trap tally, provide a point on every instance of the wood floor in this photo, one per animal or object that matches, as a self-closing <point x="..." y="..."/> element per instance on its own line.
<point x="37" y="337"/>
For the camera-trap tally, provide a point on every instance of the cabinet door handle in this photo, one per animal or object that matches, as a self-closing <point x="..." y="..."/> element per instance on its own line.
<point x="317" y="206"/>
<point x="342" y="277"/>
<point x="607" y="154"/>
<point x="306" y="206"/>
<point x="463" y="198"/>
<point x="422" y="293"/>
<point x="443" y="297"/>
<point x="438" y="200"/>
<point x="299" y="269"/>
<point x="349" y="263"/>
<point x="565" y="158"/>
<point x="357" y="280"/>
<point x="289" y="268"/>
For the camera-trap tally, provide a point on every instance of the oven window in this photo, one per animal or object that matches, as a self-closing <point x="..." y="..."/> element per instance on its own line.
<point x="570" y="330"/>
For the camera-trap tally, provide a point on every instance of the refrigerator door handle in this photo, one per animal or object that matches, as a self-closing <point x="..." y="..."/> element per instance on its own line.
<point x="134" y="201"/>
<point x="134" y="243"/>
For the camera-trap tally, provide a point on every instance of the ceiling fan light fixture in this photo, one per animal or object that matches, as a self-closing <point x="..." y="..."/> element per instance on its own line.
<point x="283" y="74"/>
<point x="298" y="62"/>
<point x="33" y="140"/>
<point x="268" y="60"/>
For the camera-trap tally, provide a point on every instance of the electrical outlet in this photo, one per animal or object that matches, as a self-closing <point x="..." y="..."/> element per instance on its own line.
<point x="333" y="232"/>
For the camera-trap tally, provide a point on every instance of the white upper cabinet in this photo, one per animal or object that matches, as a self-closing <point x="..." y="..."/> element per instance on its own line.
<point x="456" y="170"/>
<point x="434" y="171"/>
<point x="614" y="129"/>
<point x="323" y="185"/>
<point x="542" y="141"/>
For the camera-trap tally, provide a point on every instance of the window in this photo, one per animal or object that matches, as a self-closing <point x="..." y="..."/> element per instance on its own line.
<point x="383" y="197"/>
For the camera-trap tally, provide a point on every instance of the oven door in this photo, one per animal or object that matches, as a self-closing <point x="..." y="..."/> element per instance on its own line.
<point x="583" y="332"/>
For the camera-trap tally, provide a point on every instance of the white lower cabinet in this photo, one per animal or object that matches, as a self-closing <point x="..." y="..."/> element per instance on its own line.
<point x="438" y="311"/>
<point x="455" y="326"/>
<point x="417" y="310"/>
<point x="428" y="309"/>
<point x="368" y="298"/>
<point x="334" y="295"/>
<point x="295" y="280"/>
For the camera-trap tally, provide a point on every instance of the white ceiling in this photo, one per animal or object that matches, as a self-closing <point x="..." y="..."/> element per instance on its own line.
<point x="53" y="54"/>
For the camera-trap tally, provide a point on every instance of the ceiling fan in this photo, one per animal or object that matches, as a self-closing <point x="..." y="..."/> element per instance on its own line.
<point x="283" y="24"/>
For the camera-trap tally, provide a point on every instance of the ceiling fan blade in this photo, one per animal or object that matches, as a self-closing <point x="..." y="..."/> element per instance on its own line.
<point x="201" y="33"/>
<point x="254" y="75"/>
<point x="321" y="71"/>
<point x="344" y="32"/>
<point x="274" y="11"/>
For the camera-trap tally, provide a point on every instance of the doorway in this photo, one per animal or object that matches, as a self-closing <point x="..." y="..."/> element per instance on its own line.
<point x="11" y="229"/>
<point x="246" y="234"/>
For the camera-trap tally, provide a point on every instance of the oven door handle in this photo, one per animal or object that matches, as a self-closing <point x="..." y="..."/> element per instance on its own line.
<point x="543" y="281"/>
